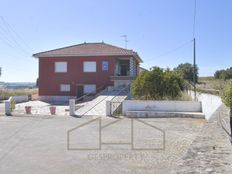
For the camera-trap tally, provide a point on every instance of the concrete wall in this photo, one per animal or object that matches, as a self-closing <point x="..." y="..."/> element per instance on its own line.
<point x="210" y="103"/>
<point x="169" y="106"/>
<point x="118" y="83"/>
<point x="56" y="98"/>
<point x="20" y="99"/>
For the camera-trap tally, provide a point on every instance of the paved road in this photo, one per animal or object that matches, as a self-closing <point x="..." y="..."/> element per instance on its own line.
<point x="39" y="145"/>
<point x="211" y="151"/>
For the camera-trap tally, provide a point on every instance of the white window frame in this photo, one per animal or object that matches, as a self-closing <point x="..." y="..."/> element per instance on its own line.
<point x="86" y="86"/>
<point x="65" y="87"/>
<point x="61" y="67"/>
<point x="89" y="66"/>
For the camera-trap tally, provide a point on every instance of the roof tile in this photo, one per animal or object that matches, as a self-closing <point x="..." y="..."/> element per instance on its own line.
<point x="88" y="49"/>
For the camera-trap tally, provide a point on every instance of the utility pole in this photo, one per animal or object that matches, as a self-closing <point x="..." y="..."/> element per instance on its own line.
<point x="194" y="68"/>
<point x="194" y="51"/>
<point x="125" y="39"/>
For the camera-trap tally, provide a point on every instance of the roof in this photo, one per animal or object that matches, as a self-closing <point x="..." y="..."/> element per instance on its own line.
<point x="89" y="49"/>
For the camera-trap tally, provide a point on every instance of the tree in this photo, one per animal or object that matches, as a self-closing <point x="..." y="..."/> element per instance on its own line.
<point x="227" y="99"/>
<point x="148" y="84"/>
<point x="173" y="83"/>
<point x="158" y="84"/>
<point x="187" y="71"/>
<point x="223" y="74"/>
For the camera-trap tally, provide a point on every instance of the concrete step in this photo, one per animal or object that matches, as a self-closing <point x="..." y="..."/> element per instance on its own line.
<point x="160" y="114"/>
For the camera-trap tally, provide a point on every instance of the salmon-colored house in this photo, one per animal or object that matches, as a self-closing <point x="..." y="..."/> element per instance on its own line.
<point x="84" y="68"/>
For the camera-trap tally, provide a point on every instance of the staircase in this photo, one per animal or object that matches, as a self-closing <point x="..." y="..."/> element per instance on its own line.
<point x="97" y="106"/>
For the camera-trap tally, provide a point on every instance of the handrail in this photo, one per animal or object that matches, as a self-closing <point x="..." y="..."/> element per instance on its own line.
<point x="94" y="106"/>
<point x="102" y="100"/>
<point x="83" y="96"/>
<point x="128" y="86"/>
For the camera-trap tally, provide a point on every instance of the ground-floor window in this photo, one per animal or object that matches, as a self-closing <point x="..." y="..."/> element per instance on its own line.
<point x="64" y="87"/>
<point x="90" y="88"/>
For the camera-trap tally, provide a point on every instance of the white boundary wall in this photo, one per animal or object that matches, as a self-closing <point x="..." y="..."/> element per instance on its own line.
<point x="56" y="98"/>
<point x="165" y="106"/>
<point x="20" y="99"/>
<point x="210" y="103"/>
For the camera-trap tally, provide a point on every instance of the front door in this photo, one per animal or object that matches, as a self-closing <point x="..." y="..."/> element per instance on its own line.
<point x="80" y="91"/>
<point x="124" y="69"/>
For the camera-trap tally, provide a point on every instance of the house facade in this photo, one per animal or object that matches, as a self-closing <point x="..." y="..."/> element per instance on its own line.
<point x="73" y="71"/>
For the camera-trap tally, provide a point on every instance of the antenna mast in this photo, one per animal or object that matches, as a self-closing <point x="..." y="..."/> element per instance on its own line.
<point x="125" y="39"/>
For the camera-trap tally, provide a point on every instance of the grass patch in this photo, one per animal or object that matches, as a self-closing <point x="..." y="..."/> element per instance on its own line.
<point x="210" y="85"/>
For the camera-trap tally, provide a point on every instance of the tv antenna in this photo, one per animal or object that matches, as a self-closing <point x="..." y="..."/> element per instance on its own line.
<point x="125" y="39"/>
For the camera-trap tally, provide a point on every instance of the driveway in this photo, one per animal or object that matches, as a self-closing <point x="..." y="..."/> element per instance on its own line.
<point x="39" y="108"/>
<point x="39" y="145"/>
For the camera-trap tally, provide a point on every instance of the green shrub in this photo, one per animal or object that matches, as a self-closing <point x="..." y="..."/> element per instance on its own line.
<point x="12" y="104"/>
<point x="158" y="84"/>
<point x="227" y="99"/>
<point x="227" y="96"/>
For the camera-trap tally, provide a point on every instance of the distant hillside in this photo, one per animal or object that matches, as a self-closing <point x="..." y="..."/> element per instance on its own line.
<point x="212" y="85"/>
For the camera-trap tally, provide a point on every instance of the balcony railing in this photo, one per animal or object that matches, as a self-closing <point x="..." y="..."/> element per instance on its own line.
<point x="122" y="77"/>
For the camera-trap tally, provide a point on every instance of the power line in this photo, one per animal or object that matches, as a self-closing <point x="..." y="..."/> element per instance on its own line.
<point x="8" y="30"/>
<point x="16" y="33"/>
<point x="8" y="42"/>
<point x="174" y="50"/>
<point x="5" y="39"/>
<point x="10" y="33"/>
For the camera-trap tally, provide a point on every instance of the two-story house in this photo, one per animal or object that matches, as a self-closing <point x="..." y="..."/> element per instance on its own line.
<point x="84" y="68"/>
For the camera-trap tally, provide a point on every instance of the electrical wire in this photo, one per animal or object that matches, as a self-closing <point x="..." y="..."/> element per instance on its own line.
<point x="173" y="50"/>
<point x="7" y="30"/>
<point x="16" y="33"/>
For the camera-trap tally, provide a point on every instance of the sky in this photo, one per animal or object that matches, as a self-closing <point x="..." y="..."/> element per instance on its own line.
<point x="161" y="31"/>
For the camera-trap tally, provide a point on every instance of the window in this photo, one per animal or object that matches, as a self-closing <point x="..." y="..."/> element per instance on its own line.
<point x="89" y="89"/>
<point x="89" y="67"/>
<point x="64" y="87"/>
<point x="60" y="67"/>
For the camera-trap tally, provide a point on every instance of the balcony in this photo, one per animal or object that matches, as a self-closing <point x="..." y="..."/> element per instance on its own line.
<point x="113" y="78"/>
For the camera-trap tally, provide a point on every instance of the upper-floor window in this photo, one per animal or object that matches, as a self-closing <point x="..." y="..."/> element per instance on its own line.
<point x="60" y="67"/>
<point x="89" y="66"/>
